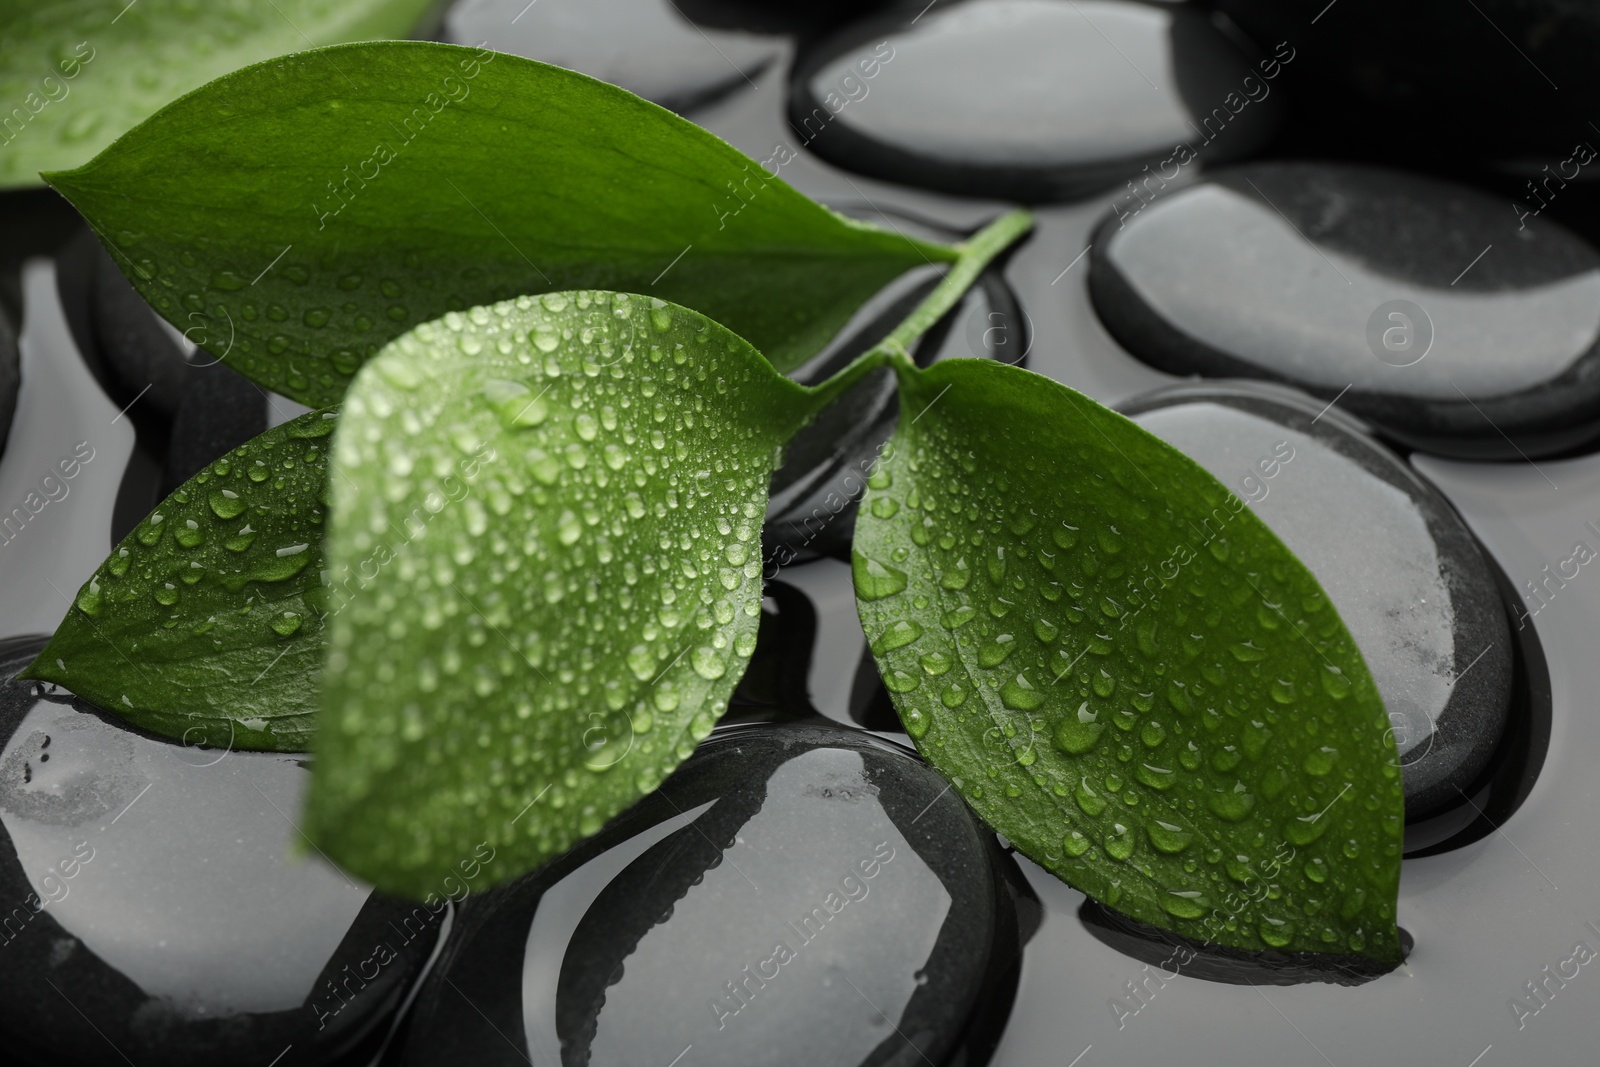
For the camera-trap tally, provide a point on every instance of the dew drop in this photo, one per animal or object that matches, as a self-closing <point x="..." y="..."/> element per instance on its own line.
<point x="898" y="635"/>
<point x="1275" y="932"/>
<point x="1018" y="694"/>
<point x="916" y="722"/>
<point x="1231" y="805"/>
<point x="957" y="575"/>
<point x="1185" y="904"/>
<point x="226" y="504"/>
<point x="1168" y="837"/>
<point x="90" y="598"/>
<point x="1160" y="778"/>
<point x="995" y="652"/>
<point x="956" y="618"/>
<point x="1077" y="734"/>
<point x="898" y="681"/>
<point x="1089" y="801"/>
<point x="874" y="580"/>
<point x="1119" y="842"/>
<point x="707" y="664"/>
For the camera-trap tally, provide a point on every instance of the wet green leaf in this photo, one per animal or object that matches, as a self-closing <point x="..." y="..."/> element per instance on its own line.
<point x="297" y="215"/>
<point x="545" y="572"/>
<point x="205" y="623"/>
<point x="74" y="74"/>
<point x="1125" y="672"/>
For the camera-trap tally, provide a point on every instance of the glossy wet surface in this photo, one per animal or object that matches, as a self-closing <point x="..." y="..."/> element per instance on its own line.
<point x="784" y="875"/>
<point x="151" y="888"/>
<point x="1501" y="882"/>
<point x="1030" y="99"/>
<point x="1401" y="295"/>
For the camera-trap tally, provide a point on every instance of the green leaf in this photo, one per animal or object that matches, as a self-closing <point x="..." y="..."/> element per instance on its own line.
<point x="1124" y="671"/>
<point x="545" y="575"/>
<point x="205" y="624"/>
<point x="74" y="74"/>
<point x="296" y="221"/>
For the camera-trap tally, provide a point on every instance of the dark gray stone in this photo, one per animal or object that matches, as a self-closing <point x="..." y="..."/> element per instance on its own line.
<point x="188" y="407"/>
<point x="1440" y="80"/>
<point x="786" y="886"/>
<point x="648" y="47"/>
<point x="763" y="16"/>
<point x="10" y="377"/>
<point x="1406" y="575"/>
<point x="1426" y="307"/>
<point x="1032" y="99"/>
<point x="220" y="411"/>
<point x="153" y="911"/>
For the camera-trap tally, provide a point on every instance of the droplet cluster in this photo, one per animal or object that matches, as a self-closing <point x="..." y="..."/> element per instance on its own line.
<point x="566" y="494"/>
<point x="1127" y="675"/>
<point x="205" y="595"/>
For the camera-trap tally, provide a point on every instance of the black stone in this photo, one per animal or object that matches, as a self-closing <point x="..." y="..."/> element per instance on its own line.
<point x="188" y="408"/>
<point x="815" y="493"/>
<point x="1428" y="79"/>
<point x="220" y="411"/>
<point x="1032" y="99"/>
<point x="763" y="16"/>
<point x="1405" y="574"/>
<point x="1173" y="954"/>
<point x="151" y="910"/>
<point x="1425" y="307"/>
<point x="648" y="47"/>
<point x="628" y="949"/>
<point x="774" y="686"/>
<point x="10" y="377"/>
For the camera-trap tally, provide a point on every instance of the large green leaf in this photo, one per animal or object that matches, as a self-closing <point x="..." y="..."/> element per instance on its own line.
<point x="546" y="571"/>
<point x="205" y="624"/>
<point x="312" y="217"/>
<point x="74" y="74"/>
<point x="1124" y="671"/>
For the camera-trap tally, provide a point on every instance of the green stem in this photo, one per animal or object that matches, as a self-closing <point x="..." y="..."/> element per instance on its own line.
<point x="976" y="253"/>
<point x="973" y="255"/>
<point x="827" y="392"/>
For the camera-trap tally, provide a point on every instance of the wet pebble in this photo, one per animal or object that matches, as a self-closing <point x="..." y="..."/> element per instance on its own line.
<point x="155" y="908"/>
<point x="190" y="408"/>
<point x="220" y="411"/>
<point x="10" y="377"/>
<point x="648" y="47"/>
<point x="794" y="894"/>
<point x="1032" y="99"/>
<point x="1428" y="308"/>
<point x="1437" y="79"/>
<point x="1407" y="577"/>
